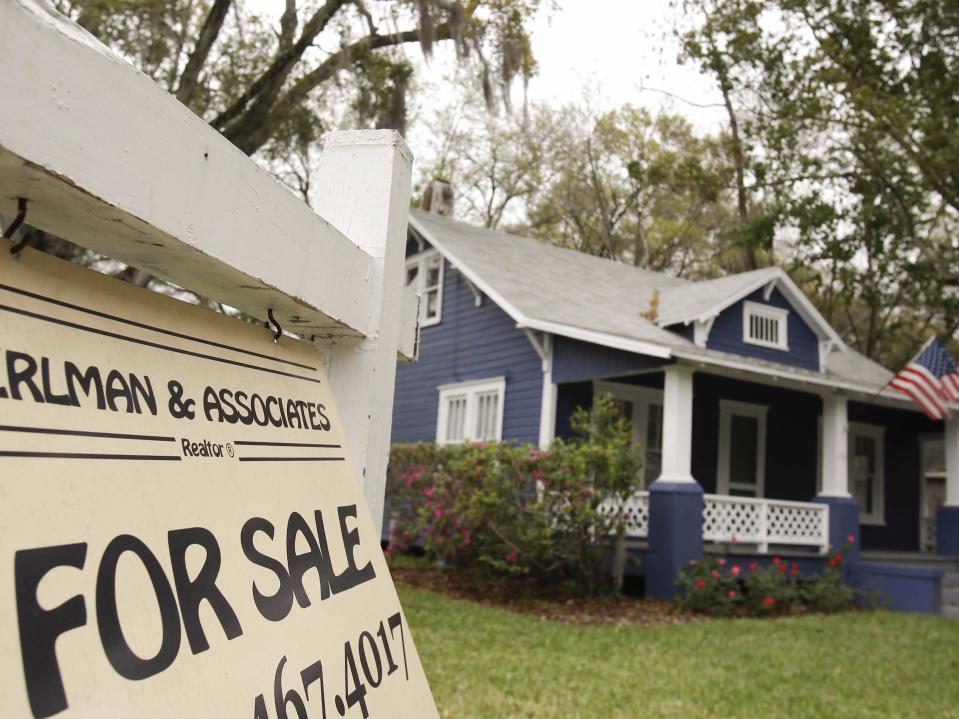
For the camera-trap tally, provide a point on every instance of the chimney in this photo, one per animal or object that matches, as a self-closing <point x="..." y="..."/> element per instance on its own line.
<point x="438" y="198"/>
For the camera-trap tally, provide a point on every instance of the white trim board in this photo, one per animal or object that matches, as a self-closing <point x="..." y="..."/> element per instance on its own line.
<point x="421" y="261"/>
<point x="155" y="186"/>
<point x="470" y="389"/>
<point x="759" y="412"/>
<point x="877" y="433"/>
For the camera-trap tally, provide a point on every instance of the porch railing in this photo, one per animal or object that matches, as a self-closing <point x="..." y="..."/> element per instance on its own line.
<point x="636" y="510"/>
<point x="743" y="520"/>
<point x="762" y="522"/>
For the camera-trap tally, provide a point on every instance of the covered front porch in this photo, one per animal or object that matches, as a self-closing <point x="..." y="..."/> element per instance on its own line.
<point x="758" y="464"/>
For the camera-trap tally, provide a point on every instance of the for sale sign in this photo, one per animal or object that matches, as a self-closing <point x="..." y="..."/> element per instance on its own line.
<point x="181" y="533"/>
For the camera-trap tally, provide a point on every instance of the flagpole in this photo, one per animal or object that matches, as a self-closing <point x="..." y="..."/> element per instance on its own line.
<point x="912" y="359"/>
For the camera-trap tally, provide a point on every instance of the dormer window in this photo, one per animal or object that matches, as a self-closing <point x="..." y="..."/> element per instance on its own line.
<point x="765" y="326"/>
<point x="424" y="273"/>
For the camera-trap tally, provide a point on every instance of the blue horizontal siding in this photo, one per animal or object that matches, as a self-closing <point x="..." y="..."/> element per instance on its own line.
<point x="727" y="334"/>
<point x="469" y="343"/>
<point x="575" y="361"/>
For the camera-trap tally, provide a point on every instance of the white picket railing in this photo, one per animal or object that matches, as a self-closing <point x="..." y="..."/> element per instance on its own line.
<point x="747" y="520"/>
<point x="636" y="509"/>
<point x="743" y="520"/>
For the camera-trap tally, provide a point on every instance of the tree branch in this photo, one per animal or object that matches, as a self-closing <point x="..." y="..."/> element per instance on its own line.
<point x="262" y="92"/>
<point x="250" y="138"/>
<point x="189" y="80"/>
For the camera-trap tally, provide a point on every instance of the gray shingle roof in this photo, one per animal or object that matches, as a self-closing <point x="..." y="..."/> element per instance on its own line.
<point x="541" y="283"/>
<point x="697" y="298"/>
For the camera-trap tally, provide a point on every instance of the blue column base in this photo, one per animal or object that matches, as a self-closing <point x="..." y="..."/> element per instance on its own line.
<point x="947" y="531"/>
<point x="843" y="523"/>
<point x="675" y="534"/>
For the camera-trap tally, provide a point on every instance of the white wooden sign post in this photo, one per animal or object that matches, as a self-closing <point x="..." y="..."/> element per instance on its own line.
<point x="190" y="509"/>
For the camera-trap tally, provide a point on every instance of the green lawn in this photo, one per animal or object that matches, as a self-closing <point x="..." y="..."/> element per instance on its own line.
<point x="491" y="663"/>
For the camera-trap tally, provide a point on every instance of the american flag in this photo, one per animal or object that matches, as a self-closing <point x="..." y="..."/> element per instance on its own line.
<point x="931" y="380"/>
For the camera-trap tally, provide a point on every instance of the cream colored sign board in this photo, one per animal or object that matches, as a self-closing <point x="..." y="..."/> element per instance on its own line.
<point x="182" y="535"/>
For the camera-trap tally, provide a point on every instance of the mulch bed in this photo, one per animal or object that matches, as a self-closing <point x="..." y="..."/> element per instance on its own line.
<point x="526" y="598"/>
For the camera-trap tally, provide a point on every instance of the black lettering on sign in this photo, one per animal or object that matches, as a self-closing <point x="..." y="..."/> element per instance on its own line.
<point x="39" y="627"/>
<point x="88" y="381"/>
<point x="20" y="370"/>
<point x="180" y="407"/>
<point x="351" y="576"/>
<point x="191" y="593"/>
<point x="49" y="396"/>
<point x="121" y="657"/>
<point x="276" y="606"/>
<point x="318" y="557"/>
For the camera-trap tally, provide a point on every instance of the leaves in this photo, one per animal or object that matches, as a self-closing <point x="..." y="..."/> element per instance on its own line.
<point x="851" y="139"/>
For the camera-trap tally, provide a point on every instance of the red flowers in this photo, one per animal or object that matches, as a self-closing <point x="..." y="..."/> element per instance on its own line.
<point x="753" y="566"/>
<point x="732" y="539"/>
<point x="512" y="556"/>
<point x="851" y="539"/>
<point x="731" y="594"/>
<point x="795" y="569"/>
<point x="735" y="570"/>
<point x="768" y="601"/>
<point x="721" y="561"/>
<point x="836" y="560"/>
<point x="715" y="574"/>
<point x="700" y="584"/>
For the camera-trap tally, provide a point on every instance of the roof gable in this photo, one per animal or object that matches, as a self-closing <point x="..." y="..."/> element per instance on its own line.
<point x="703" y="301"/>
<point x="568" y="293"/>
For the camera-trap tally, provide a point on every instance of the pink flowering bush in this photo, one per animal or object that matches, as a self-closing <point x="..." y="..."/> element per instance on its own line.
<point x="724" y="586"/>
<point x="516" y="509"/>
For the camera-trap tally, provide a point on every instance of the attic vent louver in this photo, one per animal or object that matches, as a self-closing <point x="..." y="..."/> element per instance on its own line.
<point x="765" y="326"/>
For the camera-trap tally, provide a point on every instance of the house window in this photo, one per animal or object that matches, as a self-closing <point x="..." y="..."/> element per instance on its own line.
<point x="741" y="468"/>
<point x="765" y="326"/>
<point x="424" y="273"/>
<point x="471" y="411"/>
<point x="643" y="407"/>
<point x="866" y="480"/>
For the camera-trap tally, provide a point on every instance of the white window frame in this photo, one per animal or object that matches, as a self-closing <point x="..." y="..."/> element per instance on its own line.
<point x="728" y="408"/>
<point x="780" y="315"/>
<point x="878" y="434"/>
<point x="471" y="390"/>
<point x="642" y="398"/>
<point x="420" y="261"/>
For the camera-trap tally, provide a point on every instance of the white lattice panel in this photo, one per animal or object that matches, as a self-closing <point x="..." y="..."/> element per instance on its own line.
<point x="765" y="521"/>
<point x="636" y="511"/>
<point x="792" y="524"/>
<point x="730" y="519"/>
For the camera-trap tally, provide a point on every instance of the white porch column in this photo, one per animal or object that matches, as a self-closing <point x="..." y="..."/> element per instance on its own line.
<point x="547" y="410"/>
<point x="835" y="447"/>
<point x="677" y="425"/>
<point x="952" y="461"/>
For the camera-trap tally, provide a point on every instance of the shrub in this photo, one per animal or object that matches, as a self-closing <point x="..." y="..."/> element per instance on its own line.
<point x="519" y="510"/>
<point x="723" y="586"/>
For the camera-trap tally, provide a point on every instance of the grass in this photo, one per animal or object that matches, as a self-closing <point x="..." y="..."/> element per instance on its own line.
<point x="491" y="663"/>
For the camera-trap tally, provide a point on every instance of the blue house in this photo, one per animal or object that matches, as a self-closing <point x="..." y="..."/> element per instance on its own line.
<point x="759" y="425"/>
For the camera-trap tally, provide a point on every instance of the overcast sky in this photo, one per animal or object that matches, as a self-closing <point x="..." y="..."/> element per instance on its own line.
<point x="620" y="51"/>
